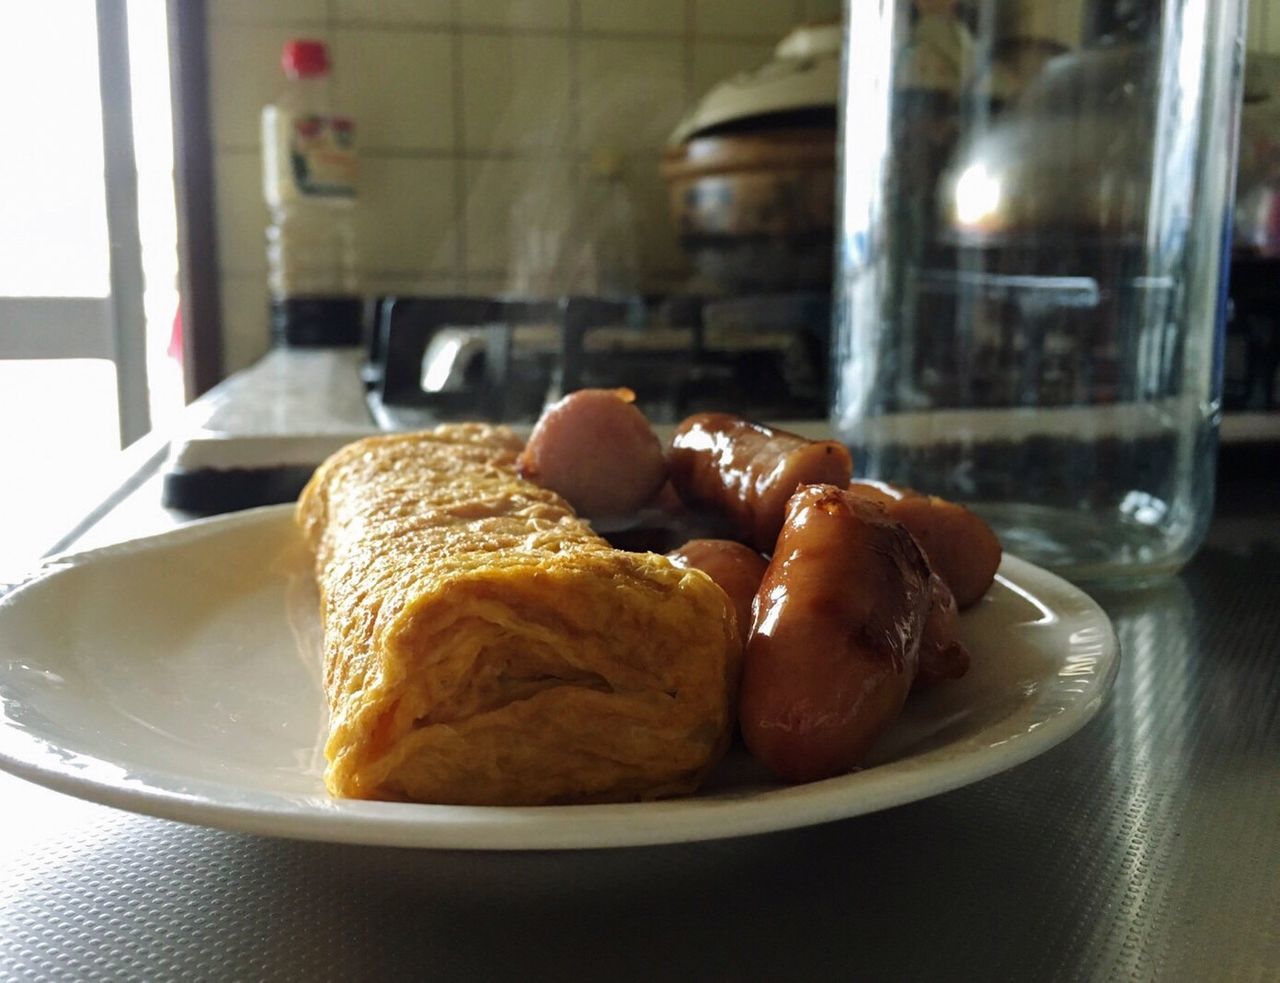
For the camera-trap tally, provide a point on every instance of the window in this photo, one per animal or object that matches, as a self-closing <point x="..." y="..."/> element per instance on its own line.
<point x="83" y="368"/>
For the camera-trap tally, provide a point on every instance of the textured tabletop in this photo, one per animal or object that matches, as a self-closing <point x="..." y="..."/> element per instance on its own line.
<point x="1147" y="847"/>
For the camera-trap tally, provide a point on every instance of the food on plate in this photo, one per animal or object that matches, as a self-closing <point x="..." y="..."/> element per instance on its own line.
<point x="748" y="471"/>
<point x="834" y="645"/>
<point x="962" y="549"/>
<point x="484" y="646"/>
<point x="736" y="569"/>
<point x="942" y="656"/>
<point x="880" y="492"/>
<point x="596" y="449"/>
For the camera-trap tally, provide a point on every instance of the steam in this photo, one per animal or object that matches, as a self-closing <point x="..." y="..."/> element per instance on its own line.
<point x="588" y="198"/>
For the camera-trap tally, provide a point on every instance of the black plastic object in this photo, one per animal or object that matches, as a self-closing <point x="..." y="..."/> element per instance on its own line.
<point x="407" y="325"/>
<point x="1251" y="370"/>
<point x="317" y="322"/>
<point x="211" y="491"/>
<point x="672" y="374"/>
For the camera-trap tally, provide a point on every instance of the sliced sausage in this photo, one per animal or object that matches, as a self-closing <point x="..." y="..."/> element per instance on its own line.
<point x="737" y="569"/>
<point x="834" y="644"/>
<point x="747" y="471"/>
<point x="962" y="549"/>
<point x="598" y="451"/>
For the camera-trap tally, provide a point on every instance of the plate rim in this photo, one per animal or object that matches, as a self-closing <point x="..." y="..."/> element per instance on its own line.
<point x="507" y="828"/>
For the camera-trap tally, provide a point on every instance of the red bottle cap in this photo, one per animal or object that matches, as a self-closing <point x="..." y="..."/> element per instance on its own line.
<point x="305" y="59"/>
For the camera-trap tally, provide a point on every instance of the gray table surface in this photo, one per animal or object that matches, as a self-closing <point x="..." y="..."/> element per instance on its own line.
<point x="1147" y="847"/>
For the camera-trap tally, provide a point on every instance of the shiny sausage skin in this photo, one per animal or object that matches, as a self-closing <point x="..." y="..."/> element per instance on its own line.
<point x="942" y="657"/>
<point x="962" y="549"/>
<point x="598" y="451"/>
<point x="880" y="492"/>
<point x="747" y="471"/>
<point x="736" y="569"/>
<point x="834" y="644"/>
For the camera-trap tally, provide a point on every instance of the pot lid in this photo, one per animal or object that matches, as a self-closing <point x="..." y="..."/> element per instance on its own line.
<point x="1074" y="152"/>
<point x="804" y="73"/>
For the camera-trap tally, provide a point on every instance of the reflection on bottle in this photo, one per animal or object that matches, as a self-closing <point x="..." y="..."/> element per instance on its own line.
<point x="939" y="56"/>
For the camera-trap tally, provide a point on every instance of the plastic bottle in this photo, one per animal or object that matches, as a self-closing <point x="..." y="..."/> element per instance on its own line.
<point x="309" y="183"/>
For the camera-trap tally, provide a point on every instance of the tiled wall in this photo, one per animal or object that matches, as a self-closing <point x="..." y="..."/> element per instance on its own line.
<point x="1264" y="26"/>
<point x="482" y="123"/>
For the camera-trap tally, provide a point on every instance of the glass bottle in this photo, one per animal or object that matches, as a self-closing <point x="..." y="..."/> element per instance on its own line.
<point x="1035" y="199"/>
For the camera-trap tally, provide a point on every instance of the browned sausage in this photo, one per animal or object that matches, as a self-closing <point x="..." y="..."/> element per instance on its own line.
<point x="834" y="644"/>
<point x="962" y="549"/>
<point x="737" y="569"/>
<point x="880" y="492"/>
<point x="598" y="451"/>
<point x="747" y="471"/>
<point x="942" y="656"/>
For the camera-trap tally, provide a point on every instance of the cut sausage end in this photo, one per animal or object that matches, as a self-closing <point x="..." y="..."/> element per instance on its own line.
<point x="595" y="448"/>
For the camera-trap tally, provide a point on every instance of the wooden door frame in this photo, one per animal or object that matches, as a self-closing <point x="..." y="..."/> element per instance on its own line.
<point x="198" y="274"/>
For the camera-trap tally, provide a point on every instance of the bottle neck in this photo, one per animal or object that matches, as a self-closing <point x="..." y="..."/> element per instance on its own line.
<point x="309" y="95"/>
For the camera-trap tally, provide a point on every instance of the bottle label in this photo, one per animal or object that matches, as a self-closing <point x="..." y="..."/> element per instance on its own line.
<point x="322" y="155"/>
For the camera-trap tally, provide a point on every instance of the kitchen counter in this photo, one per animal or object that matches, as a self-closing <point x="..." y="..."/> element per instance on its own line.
<point x="1147" y="846"/>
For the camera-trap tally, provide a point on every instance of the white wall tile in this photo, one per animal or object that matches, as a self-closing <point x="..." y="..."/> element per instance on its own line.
<point x="820" y="10"/>
<point x="763" y="19"/>
<point x="515" y="14"/>
<point x="246" y="335"/>
<point x="658" y="248"/>
<point x="1256" y="27"/>
<point x="492" y="188"/>
<point x="397" y="86"/>
<point x="405" y="217"/>
<point x="515" y="92"/>
<point x="241" y="213"/>
<point x="1270" y="26"/>
<point x="519" y="214"/>
<point x="631" y="93"/>
<point x="487" y="284"/>
<point x="651" y="17"/>
<point x="431" y="13"/>
<point x="715" y="61"/>
<point x="293" y="12"/>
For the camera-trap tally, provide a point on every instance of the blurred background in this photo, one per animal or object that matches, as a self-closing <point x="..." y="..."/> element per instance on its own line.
<point x="484" y="126"/>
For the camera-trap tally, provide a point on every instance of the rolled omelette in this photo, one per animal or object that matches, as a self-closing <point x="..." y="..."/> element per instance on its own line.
<point x="482" y="645"/>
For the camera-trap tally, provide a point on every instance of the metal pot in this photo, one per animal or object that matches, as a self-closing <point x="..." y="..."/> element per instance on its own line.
<point x="750" y="170"/>
<point x="1066" y="158"/>
<point x="755" y="211"/>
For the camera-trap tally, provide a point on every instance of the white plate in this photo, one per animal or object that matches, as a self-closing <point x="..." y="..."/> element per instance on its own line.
<point x="179" y="676"/>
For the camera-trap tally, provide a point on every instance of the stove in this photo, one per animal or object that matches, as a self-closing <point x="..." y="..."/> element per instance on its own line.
<point x="256" y="438"/>
<point x="504" y="359"/>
